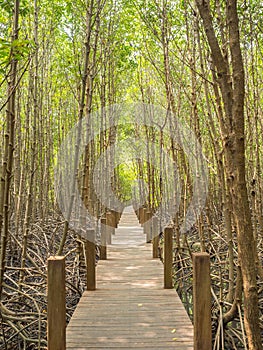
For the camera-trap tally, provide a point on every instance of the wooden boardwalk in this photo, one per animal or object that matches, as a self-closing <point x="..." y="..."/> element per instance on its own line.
<point x="130" y="308"/>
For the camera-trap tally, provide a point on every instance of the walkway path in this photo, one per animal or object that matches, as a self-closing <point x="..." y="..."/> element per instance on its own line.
<point x="130" y="308"/>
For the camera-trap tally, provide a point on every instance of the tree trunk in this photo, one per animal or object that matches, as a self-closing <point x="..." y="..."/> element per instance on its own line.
<point x="8" y="149"/>
<point x="233" y="91"/>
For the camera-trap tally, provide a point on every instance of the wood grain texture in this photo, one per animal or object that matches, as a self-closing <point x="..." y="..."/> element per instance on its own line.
<point x="148" y="228"/>
<point x="103" y="248"/>
<point x="109" y="227"/>
<point x="130" y="309"/>
<point x="90" y="252"/>
<point x="56" y="313"/>
<point x="155" y="235"/>
<point x="202" y="302"/>
<point x="168" y="257"/>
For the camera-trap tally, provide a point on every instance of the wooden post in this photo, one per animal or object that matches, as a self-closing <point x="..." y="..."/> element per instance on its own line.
<point x="143" y="221"/>
<point x="56" y="304"/>
<point x="147" y="224"/>
<point x="155" y="236"/>
<point x="108" y="227"/>
<point x="110" y="215"/>
<point x="118" y="218"/>
<point x="140" y="215"/>
<point x="143" y="217"/>
<point x="90" y="251"/>
<point x="103" y="239"/>
<point x="115" y="218"/>
<point x="202" y="302"/>
<point x="168" y="258"/>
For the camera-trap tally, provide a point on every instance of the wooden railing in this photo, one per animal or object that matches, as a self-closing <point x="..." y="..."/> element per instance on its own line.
<point x="56" y="327"/>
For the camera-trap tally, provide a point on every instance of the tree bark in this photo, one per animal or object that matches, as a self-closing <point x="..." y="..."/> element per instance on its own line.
<point x="8" y="149"/>
<point x="233" y="92"/>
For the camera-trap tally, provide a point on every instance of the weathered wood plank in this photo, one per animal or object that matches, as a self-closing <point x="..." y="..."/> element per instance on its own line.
<point x="130" y="309"/>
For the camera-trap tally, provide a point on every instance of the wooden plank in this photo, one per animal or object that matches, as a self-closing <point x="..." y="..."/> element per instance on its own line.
<point x="202" y="302"/>
<point x="56" y="300"/>
<point x="130" y="309"/>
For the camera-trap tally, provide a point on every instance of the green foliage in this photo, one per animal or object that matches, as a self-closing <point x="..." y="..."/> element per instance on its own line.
<point x="5" y="47"/>
<point x="8" y="7"/>
<point x="18" y="49"/>
<point x="126" y="177"/>
<point x="21" y="48"/>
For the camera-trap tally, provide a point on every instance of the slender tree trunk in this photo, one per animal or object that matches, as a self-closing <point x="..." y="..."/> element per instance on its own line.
<point x="81" y="113"/>
<point x="30" y="198"/>
<point x="232" y="90"/>
<point x="8" y="149"/>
